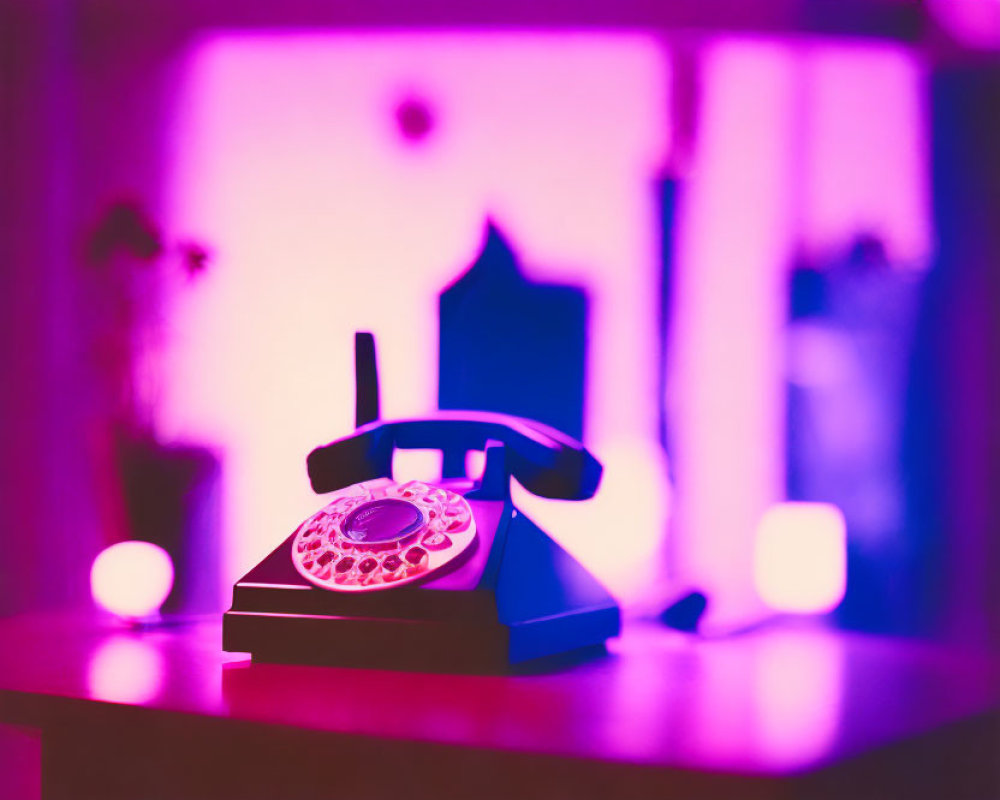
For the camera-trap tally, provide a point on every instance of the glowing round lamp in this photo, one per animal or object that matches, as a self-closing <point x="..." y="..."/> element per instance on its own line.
<point x="132" y="579"/>
<point x="800" y="557"/>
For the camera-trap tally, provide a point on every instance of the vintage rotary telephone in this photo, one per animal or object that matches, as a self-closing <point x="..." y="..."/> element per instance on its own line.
<point x="445" y="575"/>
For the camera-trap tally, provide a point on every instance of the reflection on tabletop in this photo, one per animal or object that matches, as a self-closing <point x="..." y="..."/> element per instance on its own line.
<point x="781" y="698"/>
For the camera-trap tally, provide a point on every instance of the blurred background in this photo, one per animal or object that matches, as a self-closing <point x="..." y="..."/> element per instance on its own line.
<point x="746" y="251"/>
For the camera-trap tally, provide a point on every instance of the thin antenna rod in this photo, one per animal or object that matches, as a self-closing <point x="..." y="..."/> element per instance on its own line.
<point x="366" y="379"/>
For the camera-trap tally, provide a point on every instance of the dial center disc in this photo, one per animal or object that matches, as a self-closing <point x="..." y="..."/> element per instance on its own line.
<point x="382" y="520"/>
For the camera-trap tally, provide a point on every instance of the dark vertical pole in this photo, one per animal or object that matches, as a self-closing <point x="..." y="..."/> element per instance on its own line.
<point x="953" y="442"/>
<point x="668" y="189"/>
<point x="366" y="379"/>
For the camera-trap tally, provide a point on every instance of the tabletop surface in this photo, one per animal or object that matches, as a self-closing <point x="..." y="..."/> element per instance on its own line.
<point x="785" y="698"/>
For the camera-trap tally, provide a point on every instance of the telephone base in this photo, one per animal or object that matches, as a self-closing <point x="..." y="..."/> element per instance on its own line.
<point x="538" y="603"/>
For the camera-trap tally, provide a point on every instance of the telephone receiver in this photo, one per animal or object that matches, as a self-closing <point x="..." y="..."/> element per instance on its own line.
<point x="545" y="461"/>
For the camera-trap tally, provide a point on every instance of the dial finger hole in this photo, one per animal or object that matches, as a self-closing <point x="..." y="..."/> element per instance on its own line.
<point x="416" y="558"/>
<point x="342" y="572"/>
<point x="436" y="541"/>
<point x="392" y="568"/>
<point x="457" y="524"/>
<point x="368" y="570"/>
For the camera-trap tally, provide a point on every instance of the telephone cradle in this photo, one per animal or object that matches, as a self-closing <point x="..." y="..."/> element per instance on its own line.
<point x="441" y="576"/>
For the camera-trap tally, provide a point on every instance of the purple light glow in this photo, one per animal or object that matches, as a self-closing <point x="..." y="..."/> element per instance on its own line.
<point x="790" y="719"/>
<point x="975" y="23"/>
<point x="799" y="679"/>
<point x="800" y="146"/>
<point x="726" y="392"/>
<point x="325" y="221"/>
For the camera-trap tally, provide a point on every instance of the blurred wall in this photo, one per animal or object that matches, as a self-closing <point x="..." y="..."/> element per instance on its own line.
<point x="33" y="286"/>
<point x="80" y="115"/>
<point x="85" y="94"/>
<point x="955" y="436"/>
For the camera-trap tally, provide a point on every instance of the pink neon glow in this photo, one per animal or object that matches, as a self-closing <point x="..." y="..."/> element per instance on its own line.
<point x="973" y="22"/>
<point x="289" y="162"/>
<point x="297" y="183"/>
<point x="798" y="148"/>
<point x="125" y="669"/>
<point x="799" y="698"/>
<point x="726" y="392"/>
<point x="131" y="579"/>
<point x="864" y="150"/>
<point x="800" y="561"/>
<point x="475" y="463"/>
<point x="416" y="465"/>
<point x="792" y="716"/>
<point x="772" y="698"/>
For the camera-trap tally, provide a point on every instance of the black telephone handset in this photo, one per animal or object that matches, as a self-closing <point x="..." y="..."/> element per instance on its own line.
<point x="545" y="461"/>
